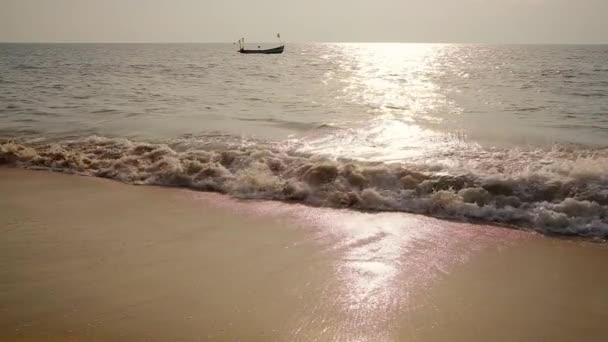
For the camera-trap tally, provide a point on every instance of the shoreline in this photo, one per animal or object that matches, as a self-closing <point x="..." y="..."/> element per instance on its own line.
<point x="466" y="221"/>
<point x="563" y="199"/>
<point x="91" y="258"/>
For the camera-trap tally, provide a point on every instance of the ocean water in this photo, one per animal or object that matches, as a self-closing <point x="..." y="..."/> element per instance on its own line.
<point x="515" y="135"/>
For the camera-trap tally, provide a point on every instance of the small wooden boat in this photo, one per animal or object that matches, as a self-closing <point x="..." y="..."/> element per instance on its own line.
<point x="275" y="50"/>
<point x="279" y="49"/>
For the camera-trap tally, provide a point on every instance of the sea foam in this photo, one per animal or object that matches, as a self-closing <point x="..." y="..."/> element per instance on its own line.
<point x="567" y="196"/>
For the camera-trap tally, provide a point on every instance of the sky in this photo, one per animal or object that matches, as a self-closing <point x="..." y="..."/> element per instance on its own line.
<point x="427" y="21"/>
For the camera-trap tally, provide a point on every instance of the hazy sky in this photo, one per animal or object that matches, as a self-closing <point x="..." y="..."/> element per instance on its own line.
<point x="495" y="21"/>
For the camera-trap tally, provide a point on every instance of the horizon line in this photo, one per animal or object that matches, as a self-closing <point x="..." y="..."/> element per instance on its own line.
<point x="303" y="42"/>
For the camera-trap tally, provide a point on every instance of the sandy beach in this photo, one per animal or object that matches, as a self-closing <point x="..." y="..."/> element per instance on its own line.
<point x="85" y="258"/>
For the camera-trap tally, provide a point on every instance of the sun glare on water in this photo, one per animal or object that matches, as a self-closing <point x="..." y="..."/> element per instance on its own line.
<point x="396" y="85"/>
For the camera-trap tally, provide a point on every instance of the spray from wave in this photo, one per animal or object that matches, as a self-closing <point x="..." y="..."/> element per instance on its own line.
<point x="569" y="196"/>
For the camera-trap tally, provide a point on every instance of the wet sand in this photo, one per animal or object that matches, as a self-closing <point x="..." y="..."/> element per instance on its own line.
<point x="91" y="259"/>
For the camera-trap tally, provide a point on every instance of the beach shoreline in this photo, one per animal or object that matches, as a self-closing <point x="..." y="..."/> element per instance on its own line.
<point x="559" y="198"/>
<point x="86" y="258"/>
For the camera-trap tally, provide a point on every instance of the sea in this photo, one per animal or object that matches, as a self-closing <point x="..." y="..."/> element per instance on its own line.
<point x="510" y="135"/>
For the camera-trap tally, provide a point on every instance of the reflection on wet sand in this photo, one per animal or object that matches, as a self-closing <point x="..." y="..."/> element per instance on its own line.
<point x="381" y="263"/>
<point x="90" y="259"/>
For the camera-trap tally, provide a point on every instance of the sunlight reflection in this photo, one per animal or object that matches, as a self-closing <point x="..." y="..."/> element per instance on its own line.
<point x="394" y="78"/>
<point x="397" y="85"/>
<point x="380" y="262"/>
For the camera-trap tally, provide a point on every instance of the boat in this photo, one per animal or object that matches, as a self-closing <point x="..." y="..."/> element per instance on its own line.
<point x="279" y="49"/>
<point x="276" y="50"/>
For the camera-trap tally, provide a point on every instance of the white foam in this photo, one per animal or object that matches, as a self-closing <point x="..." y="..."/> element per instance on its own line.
<point x="564" y="192"/>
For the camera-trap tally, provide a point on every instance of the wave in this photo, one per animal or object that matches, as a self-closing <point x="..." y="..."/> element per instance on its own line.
<point x="569" y="197"/>
<point x="28" y="67"/>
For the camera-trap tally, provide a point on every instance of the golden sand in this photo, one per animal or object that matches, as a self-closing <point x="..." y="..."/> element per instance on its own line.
<point x="90" y="259"/>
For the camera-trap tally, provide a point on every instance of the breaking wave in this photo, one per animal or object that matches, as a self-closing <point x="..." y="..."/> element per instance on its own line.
<point x="567" y="195"/>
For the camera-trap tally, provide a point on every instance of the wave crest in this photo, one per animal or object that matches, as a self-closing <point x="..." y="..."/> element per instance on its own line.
<point x="564" y="198"/>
